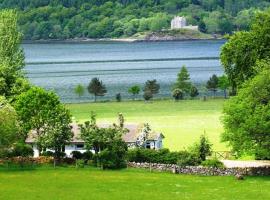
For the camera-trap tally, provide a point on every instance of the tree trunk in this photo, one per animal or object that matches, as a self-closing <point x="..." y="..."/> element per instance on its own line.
<point x="225" y="94"/>
<point x="95" y="97"/>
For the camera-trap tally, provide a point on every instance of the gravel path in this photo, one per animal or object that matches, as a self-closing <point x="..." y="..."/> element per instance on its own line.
<point x="243" y="164"/>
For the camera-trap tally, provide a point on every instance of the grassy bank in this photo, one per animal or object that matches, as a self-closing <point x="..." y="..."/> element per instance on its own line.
<point x="70" y="183"/>
<point x="181" y="122"/>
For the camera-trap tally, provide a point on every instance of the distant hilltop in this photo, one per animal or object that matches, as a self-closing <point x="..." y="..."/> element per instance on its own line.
<point x="181" y="23"/>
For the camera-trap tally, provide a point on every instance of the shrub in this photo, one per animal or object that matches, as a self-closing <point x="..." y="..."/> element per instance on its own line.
<point x="177" y="94"/>
<point x="118" y="97"/>
<point x="79" y="163"/>
<point x="76" y="155"/>
<point x="21" y="149"/>
<point x="114" y="156"/>
<point x="47" y="154"/>
<point x="213" y="163"/>
<point x="186" y="158"/>
<point x="202" y="149"/>
<point x="87" y="155"/>
<point x="163" y="156"/>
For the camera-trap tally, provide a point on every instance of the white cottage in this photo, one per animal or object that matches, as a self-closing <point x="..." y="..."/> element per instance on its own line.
<point x="133" y="137"/>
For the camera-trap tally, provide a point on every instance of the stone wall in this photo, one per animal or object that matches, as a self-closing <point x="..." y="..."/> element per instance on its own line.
<point x="199" y="170"/>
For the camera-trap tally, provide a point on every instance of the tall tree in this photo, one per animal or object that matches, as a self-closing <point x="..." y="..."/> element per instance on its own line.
<point x="11" y="54"/>
<point x="183" y="80"/>
<point x="134" y="90"/>
<point x="241" y="52"/>
<point x="212" y="84"/>
<point x="97" y="88"/>
<point x="246" y="117"/>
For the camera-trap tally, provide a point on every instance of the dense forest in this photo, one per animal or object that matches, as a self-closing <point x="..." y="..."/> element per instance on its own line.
<point x="65" y="19"/>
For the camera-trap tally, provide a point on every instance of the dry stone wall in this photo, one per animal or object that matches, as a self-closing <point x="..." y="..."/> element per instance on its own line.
<point x="199" y="170"/>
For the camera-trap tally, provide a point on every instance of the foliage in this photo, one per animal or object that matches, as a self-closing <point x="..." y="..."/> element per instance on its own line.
<point x="97" y="88"/>
<point x="21" y="149"/>
<point x="223" y="84"/>
<point x="212" y="84"/>
<point x="114" y="155"/>
<point x="244" y="49"/>
<point x="134" y="90"/>
<point x="9" y="125"/>
<point x="51" y="19"/>
<point x="178" y="94"/>
<point x="215" y="163"/>
<point x="147" y="95"/>
<point x="118" y="97"/>
<point x="163" y="156"/>
<point x="79" y="90"/>
<point x="151" y="86"/>
<point x="76" y="155"/>
<point x="79" y="163"/>
<point x="183" y="80"/>
<point x="42" y="112"/>
<point x="246" y="116"/>
<point x="202" y="149"/>
<point x="194" y="91"/>
<point x="11" y="56"/>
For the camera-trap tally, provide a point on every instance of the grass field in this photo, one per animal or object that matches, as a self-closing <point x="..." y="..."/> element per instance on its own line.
<point x="131" y="184"/>
<point x="181" y="122"/>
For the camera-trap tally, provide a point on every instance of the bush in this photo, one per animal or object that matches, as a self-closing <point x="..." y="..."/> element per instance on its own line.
<point x="147" y="95"/>
<point x="47" y="154"/>
<point x="213" y="163"/>
<point x="178" y="94"/>
<point x="21" y="149"/>
<point x="79" y="163"/>
<point x="76" y="155"/>
<point x="186" y="158"/>
<point x="163" y="156"/>
<point x="87" y="155"/>
<point x="114" y="156"/>
<point x="118" y="97"/>
<point x="202" y="149"/>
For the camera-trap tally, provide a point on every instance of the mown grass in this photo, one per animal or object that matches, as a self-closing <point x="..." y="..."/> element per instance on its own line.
<point x="129" y="184"/>
<point x="181" y="122"/>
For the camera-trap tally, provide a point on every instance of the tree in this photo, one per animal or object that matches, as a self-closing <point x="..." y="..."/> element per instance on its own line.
<point x="134" y="90"/>
<point x="79" y="90"/>
<point x="118" y="97"/>
<point x="183" y="80"/>
<point x="97" y="88"/>
<point x="212" y="84"/>
<point x="241" y="52"/>
<point x="9" y="125"/>
<point x="177" y="94"/>
<point x="151" y="86"/>
<point x="194" y="91"/>
<point x="11" y="54"/>
<point x="223" y="84"/>
<point x="57" y="132"/>
<point x="42" y="112"/>
<point x="246" y="117"/>
<point x="147" y="95"/>
<point x="203" y="148"/>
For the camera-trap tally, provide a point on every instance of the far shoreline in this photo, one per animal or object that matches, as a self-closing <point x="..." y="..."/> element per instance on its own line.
<point x="116" y="40"/>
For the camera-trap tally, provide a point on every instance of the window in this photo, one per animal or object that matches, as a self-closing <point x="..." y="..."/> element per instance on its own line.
<point x="79" y="146"/>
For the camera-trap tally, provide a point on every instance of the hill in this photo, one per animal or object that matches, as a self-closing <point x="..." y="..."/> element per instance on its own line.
<point x="69" y="19"/>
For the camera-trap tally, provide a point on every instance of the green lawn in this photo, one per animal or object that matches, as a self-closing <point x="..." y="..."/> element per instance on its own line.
<point x="131" y="184"/>
<point x="181" y="122"/>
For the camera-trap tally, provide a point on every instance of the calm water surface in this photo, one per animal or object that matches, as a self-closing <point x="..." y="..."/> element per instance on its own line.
<point x="62" y="66"/>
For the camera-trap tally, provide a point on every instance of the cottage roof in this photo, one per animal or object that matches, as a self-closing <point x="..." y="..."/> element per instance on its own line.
<point x="134" y="130"/>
